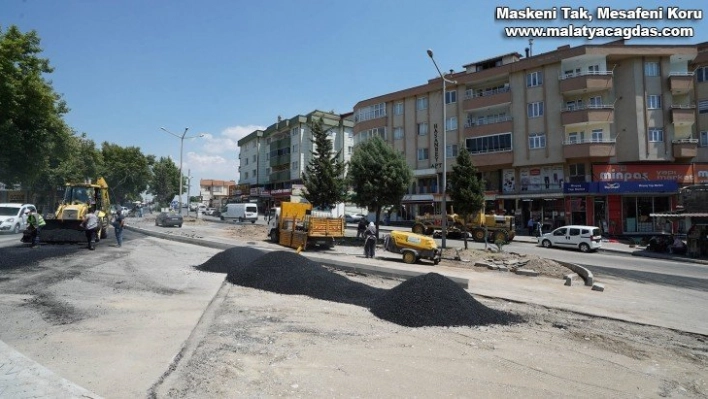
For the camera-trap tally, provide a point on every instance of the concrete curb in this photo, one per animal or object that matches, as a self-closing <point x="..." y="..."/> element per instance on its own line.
<point x="184" y="240"/>
<point x="581" y="271"/>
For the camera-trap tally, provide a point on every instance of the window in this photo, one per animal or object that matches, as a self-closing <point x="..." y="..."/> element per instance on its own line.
<point x="254" y="158"/>
<point x="702" y="74"/>
<point x="653" y="101"/>
<point x="246" y="161"/>
<point x="245" y="175"/>
<point x="535" y="109"/>
<point x="350" y="135"/>
<point x="398" y="108"/>
<point x="576" y="172"/>
<point x="451" y="151"/>
<point x="294" y="166"/>
<point x="398" y="133"/>
<point x="422" y="154"/>
<point x="592" y="69"/>
<point x="350" y="149"/>
<point x="370" y="112"/>
<point x="253" y="173"/>
<point x="295" y="148"/>
<point x="576" y="137"/>
<point x="451" y="123"/>
<point x="704" y="139"/>
<point x="421" y="103"/>
<point x="534" y="79"/>
<point x="268" y="140"/>
<point x="596" y="136"/>
<point x="537" y="140"/>
<point x="651" y="68"/>
<point x="267" y="156"/>
<point x="484" y="144"/>
<point x="595" y="102"/>
<point x="367" y="134"/>
<point x="422" y="129"/>
<point x="450" y="97"/>
<point x="656" y="135"/>
<point x="294" y="131"/>
<point x="569" y="73"/>
<point x="703" y="106"/>
<point x="268" y="171"/>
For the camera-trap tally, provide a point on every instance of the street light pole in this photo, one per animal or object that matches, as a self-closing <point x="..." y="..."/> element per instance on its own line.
<point x="444" y="145"/>
<point x="181" y="150"/>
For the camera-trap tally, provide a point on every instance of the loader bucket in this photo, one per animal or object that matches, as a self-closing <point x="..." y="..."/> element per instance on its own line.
<point x="62" y="231"/>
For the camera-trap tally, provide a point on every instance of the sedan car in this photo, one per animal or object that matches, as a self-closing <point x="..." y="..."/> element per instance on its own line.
<point x="584" y="238"/>
<point x="168" y="219"/>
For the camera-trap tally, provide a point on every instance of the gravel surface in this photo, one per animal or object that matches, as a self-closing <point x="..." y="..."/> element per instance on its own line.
<point x="435" y="300"/>
<point x="289" y="273"/>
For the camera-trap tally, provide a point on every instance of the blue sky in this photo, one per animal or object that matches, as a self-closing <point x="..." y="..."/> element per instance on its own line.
<point x="225" y="68"/>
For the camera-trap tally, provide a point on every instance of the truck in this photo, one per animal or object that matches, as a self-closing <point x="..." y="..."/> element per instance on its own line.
<point x="498" y="227"/>
<point x="79" y="199"/>
<point x="241" y="211"/>
<point x="297" y="225"/>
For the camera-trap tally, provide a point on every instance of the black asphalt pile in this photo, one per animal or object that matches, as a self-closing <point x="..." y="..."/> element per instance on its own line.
<point x="232" y="258"/>
<point x="434" y="300"/>
<point x="292" y="274"/>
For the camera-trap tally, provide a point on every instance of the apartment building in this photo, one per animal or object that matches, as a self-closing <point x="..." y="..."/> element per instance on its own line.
<point x="215" y="193"/>
<point x="595" y="134"/>
<point x="273" y="160"/>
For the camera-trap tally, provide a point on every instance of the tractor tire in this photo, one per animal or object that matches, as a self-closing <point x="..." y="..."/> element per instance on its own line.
<point x="418" y="228"/>
<point x="409" y="257"/>
<point x="501" y="235"/>
<point x="274" y="236"/>
<point x="478" y="234"/>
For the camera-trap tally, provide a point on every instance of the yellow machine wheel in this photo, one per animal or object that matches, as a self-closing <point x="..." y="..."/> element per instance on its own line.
<point x="501" y="235"/>
<point x="418" y="228"/>
<point x="409" y="257"/>
<point x="478" y="234"/>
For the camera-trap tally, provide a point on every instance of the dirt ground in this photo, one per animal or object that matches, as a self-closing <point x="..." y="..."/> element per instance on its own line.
<point x="261" y="344"/>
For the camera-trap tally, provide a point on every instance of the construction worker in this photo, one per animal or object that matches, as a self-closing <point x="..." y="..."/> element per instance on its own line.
<point x="35" y="222"/>
<point x="90" y="225"/>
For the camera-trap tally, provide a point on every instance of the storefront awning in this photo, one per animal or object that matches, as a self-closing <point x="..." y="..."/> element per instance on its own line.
<point x="679" y="215"/>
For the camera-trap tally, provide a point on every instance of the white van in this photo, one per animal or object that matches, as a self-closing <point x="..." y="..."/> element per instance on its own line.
<point x="584" y="238"/>
<point x="241" y="212"/>
<point x="13" y="218"/>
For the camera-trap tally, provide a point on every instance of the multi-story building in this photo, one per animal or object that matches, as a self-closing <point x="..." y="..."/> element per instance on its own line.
<point x="596" y="134"/>
<point x="215" y="193"/>
<point x="273" y="160"/>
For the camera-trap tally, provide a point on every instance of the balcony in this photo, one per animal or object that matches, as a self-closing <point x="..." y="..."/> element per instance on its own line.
<point x="685" y="148"/>
<point x="481" y="127"/>
<point x="487" y="98"/>
<point x="600" y="113"/>
<point x="589" y="148"/>
<point x="683" y="115"/>
<point x="680" y="82"/>
<point x="481" y="159"/>
<point x="586" y="82"/>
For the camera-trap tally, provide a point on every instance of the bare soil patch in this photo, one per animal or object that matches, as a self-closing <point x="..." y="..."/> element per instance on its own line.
<point x="467" y="258"/>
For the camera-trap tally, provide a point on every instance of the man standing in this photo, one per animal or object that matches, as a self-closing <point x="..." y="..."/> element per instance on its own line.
<point x="370" y="243"/>
<point x="90" y="225"/>
<point x="35" y="222"/>
<point x="118" y="223"/>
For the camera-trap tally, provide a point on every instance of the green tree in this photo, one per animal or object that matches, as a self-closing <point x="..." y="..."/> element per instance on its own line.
<point x="164" y="184"/>
<point x="465" y="189"/>
<point x="127" y="171"/>
<point x="31" y="124"/>
<point x="378" y="175"/>
<point x="324" y="175"/>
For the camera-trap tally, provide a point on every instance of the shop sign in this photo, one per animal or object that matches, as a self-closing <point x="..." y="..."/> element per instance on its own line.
<point x="255" y="191"/>
<point x="509" y="185"/>
<point x="281" y="192"/>
<point x="638" y="187"/>
<point x="700" y="173"/>
<point x="579" y="188"/>
<point x="634" y="173"/>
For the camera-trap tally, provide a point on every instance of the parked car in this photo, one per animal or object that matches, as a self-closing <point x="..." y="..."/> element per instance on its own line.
<point x="12" y="217"/>
<point x="584" y="238"/>
<point x="168" y="219"/>
<point x="353" y="217"/>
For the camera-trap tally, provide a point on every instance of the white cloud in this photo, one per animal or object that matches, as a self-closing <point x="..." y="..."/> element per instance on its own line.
<point x="227" y="141"/>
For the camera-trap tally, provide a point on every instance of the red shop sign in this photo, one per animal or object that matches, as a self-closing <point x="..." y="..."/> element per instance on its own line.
<point x="682" y="174"/>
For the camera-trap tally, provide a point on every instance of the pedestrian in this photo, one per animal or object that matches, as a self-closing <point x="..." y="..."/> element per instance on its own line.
<point x="118" y="223"/>
<point x="35" y="222"/>
<point x="361" y="227"/>
<point x="90" y="225"/>
<point x="370" y="243"/>
<point x="140" y="211"/>
<point x="531" y="224"/>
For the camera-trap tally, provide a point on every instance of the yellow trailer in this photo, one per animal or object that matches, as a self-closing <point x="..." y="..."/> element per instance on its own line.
<point x="296" y="225"/>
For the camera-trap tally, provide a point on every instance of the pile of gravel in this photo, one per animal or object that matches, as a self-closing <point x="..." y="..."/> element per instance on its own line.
<point x="292" y="274"/>
<point x="237" y="257"/>
<point x="434" y="300"/>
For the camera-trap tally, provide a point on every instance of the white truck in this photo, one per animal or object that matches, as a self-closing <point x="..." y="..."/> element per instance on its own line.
<point x="241" y="212"/>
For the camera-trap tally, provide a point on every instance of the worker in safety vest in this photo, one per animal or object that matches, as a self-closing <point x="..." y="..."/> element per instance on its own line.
<point x="35" y="222"/>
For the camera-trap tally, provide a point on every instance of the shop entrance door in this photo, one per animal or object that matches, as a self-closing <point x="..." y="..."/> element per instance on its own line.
<point x="600" y="212"/>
